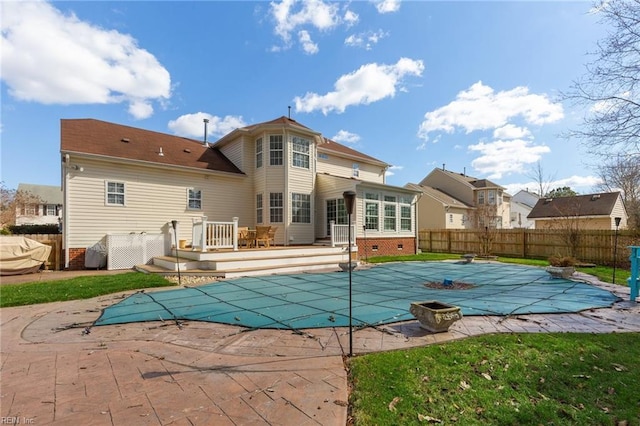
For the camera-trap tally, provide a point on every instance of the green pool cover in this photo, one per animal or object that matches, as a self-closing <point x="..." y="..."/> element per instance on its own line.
<point x="380" y="295"/>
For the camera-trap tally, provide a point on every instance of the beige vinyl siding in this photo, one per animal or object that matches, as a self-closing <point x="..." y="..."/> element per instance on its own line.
<point x="301" y="181"/>
<point x="460" y="190"/>
<point x="618" y="211"/>
<point x="328" y="188"/>
<point x="234" y="151"/>
<point x="153" y="197"/>
<point x="343" y="167"/>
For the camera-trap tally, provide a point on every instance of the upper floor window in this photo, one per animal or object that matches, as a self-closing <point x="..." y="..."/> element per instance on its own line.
<point x="450" y="218"/>
<point x="300" y="152"/>
<point x="275" y="150"/>
<point x="258" y="153"/>
<point x="300" y="208"/>
<point x="356" y="169"/>
<point x="194" y="199"/>
<point x="259" y="218"/>
<point x="276" y="207"/>
<point x="491" y="196"/>
<point x="480" y="197"/>
<point x="114" y="193"/>
<point x="50" y="210"/>
<point x="323" y="156"/>
<point x="29" y="209"/>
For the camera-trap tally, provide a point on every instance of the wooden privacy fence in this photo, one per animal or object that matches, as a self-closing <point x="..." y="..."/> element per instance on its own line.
<point x="55" y="261"/>
<point x="595" y="246"/>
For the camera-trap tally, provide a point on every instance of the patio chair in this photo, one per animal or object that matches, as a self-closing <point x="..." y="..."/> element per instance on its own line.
<point x="243" y="236"/>
<point x="272" y="235"/>
<point x="262" y="235"/>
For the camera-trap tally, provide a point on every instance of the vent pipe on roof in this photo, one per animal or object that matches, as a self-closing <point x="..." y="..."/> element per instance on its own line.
<point x="289" y="112"/>
<point x="464" y="171"/>
<point x="443" y="164"/>
<point x="206" y="122"/>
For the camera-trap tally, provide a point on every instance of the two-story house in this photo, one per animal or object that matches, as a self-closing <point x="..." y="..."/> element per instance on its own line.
<point x="42" y="205"/>
<point x="121" y="179"/>
<point x="458" y="201"/>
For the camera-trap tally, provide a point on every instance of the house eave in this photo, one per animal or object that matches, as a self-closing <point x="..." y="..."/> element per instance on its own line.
<point x="151" y="164"/>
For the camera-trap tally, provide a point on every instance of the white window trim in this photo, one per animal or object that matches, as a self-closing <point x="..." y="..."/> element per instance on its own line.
<point x="295" y="152"/>
<point x="107" y="193"/>
<point x="189" y="198"/>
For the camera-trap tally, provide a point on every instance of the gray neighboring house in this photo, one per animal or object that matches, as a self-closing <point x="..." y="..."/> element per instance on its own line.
<point x="47" y="212"/>
<point x="521" y="205"/>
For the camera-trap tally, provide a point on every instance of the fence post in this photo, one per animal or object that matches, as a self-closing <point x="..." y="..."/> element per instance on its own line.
<point x="204" y="234"/>
<point x="235" y="234"/>
<point x="333" y="233"/>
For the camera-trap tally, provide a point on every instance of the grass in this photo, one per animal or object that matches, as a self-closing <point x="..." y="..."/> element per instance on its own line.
<point x="603" y="273"/>
<point x="506" y="379"/>
<point x="76" y="288"/>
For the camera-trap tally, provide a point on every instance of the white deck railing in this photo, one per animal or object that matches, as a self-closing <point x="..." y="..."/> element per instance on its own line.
<point x="214" y="235"/>
<point x="340" y="234"/>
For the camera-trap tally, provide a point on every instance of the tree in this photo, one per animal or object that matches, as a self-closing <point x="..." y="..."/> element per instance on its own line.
<point x="565" y="191"/>
<point x="609" y="88"/>
<point x="543" y="182"/>
<point x="623" y="174"/>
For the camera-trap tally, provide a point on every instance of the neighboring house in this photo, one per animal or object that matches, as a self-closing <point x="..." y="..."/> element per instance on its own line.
<point x="438" y="210"/>
<point x="521" y="205"/>
<point x="591" y="211"/>
<point x="478" y="203"/>
<point x="120" y="179"/>
<point x="48" y="210"/>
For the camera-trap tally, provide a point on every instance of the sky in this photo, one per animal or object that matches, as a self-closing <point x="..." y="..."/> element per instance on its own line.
<point x="472" y="86"/>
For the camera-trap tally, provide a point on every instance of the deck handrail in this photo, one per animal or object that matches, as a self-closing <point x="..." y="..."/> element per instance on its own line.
<point x="207" y="235"/>
<point x="340" y="234"/>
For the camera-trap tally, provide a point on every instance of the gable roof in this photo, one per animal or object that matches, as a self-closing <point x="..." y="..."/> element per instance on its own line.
<point x="601" y="204"/>
<point x="466" y="179"/>
<point x="48" y="194"/>
<point x="108" y="140"/>
<point x="329" y="146"/>
<point x="439" y="195"/>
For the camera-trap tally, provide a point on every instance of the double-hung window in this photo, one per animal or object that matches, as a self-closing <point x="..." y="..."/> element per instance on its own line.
<point x="50" y="210"/>
<point x="114" y="193"/>
<point x="300" y="208"/>
<point x="491" y="196"/>
<point x="355" y="170"/>
<point x="276" y="153"/>
<point x="194" y="199"/>
<point x="259" y="218"/>
<point x="371" y="211"/>
<point x="405" y="214"/>
<point x="300" y="149"/>
<point x="258" y="153"/>
<point x="276" y="207"/>
<point x="480" y="197"/>
<point x="389" y="213"/>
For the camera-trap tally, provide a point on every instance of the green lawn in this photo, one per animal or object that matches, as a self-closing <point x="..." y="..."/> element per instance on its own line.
<point x="506" y="379"/>
<point x="77" y="288"/>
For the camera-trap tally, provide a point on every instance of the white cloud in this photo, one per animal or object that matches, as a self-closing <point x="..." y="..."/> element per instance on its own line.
<point x="344" y="136"/>
<point x="192" y="125"/>
<point x="365" y="40"/>
<point x="52" y="58"/>
<point x="502" y="157"/>
<point x="481" y="108"/>
<point x="290" y="15"/>
<point x="370" y="83"/>
<point x="307" y="44"/>
<point x="511" y="131"/>
<point x="580" y="184"/>
<point x="351" y="18"/>
<point x="387" y="6"/>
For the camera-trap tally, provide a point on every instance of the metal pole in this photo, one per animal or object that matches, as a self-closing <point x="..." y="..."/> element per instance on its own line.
<point x="350" y="294"/>
<point x="174" y="223"/>
<point x="615" y="248"/>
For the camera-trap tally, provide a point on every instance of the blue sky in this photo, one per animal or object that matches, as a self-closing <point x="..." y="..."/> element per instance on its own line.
<point x="417" y="84"/>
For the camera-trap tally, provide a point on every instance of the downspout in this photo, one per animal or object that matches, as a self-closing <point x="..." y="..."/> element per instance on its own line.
<point x="417" y="231"/>
<point x="65" y="209"/>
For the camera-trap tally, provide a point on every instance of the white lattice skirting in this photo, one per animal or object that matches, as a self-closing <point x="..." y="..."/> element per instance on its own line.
<point x="124" y="251"/>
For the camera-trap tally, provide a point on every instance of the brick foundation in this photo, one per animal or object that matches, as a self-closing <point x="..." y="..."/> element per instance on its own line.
<point x="76" y="259"/>
<point x="385" y="247"/>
